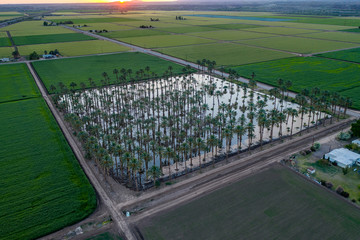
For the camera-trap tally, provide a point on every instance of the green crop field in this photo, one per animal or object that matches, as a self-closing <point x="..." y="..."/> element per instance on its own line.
<point x="231" y="35"/>
<point x="308" y="72"/>
<point x="74" y="48"/>
<point x="354" y="30"/>
<point x="4" y="40"/>
<point x="234" y="26"/>
<point x="330" y="21"/>
<point x="51" y="38"/>
<point x="5" y="52"/>
<point x="335" y="36"/>
<point x="159" y="24"/>
<point x="93" y="20"/>
<point x="28" y="28"/>
<point x="188" y="29"/>
<point x="227" y="54"/>
<point x="16" y="83"/>
<point x="298" y="45"/>
<point x="133" y="33"/>
<point x="63" y="70"/>
<point x="43" y="188"/>
<point x="274" y="204"/>
<point x="106" y="26"/>
<point x="351" y="55"/>
<point x="282" y="30"/>
<point x="165" y="41"/>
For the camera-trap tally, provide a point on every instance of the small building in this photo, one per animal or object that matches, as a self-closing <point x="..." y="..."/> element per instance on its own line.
<point x="4" y="59"/>
<point x="48" y="56"/>
<point x="343" y="157"/>
<point x="310" y="170"/>
<point x="357" y="142"/>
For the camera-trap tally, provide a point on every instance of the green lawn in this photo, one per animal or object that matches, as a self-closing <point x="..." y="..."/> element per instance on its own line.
<point x="274" y="204"/>
<point x="16" y="83"/>
<point x="51" y="38"/>
<point x="74" y="48"/>
<point x="43" y="188"/>
<point x="231" y="35"/>
<point x="335" y="36"/>
<point x="164" y="41"/>
<point x="224" y="53"/>
<point x="298" y="45"/>
<point x="308" y="72"/>
<point x="81" y="69"/>
<point x="346" y="55"/>
<point x="133" y="33"/>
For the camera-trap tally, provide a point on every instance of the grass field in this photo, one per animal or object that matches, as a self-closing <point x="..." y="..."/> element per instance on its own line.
<point x="51" y="38"/>
<point x="233" y="26"/>
<point x="274" y="204"/>
<point x="5" y="52"/>
<point x="308" y="72"/>
<point x="93" y="20"/>
<point x="74" y="48"/>
<point x="43" y="188"/>
<point x="282" y="30"/>
<point x="335" y="36"/>
<point x="4" y="40"/>
<point x="231" y="35"/>
<point x="346" y="55"/>
<point x="165" y="41"/>
<point x="16" y="83"/>
<point x="298" y="45"/>
<point x="28" y="28"/>
<point x="226" y="54"/>
<point x="106" y="26"/>
<point x="133" y="33"/>
<point x="62" y="70"/>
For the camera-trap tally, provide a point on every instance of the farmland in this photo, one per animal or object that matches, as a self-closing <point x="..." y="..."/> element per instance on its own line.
<point x="351" y="55"/>
<point x="51" y="38"/>
<point x="231" y="35"/>
<point x="28" y="28"/>
<point x="74" y="48"/>
<point x="335" y="36"/>
<point x="92" y="20"/>
<point x="43" y="186"/>
<point x="282" y="30"/>
<point x="6" y="52"/>
<point x="16" y="83"/>
<point x="165" y="41"/>
<point x="4" y="40"/>
<point x="94" y="66"/>
<point x="133" y="33"/>
<point x="228" y="54"/>
<point x="298" y="45"/>
<point x="262" y="206"/>
<point x="326" y="74"/>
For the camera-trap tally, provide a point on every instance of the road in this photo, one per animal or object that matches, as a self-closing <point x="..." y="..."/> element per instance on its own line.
<point x="117" y="217"/>
<point x="240" y="167"/>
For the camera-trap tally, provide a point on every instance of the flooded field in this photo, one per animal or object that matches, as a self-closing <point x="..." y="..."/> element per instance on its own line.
<point x="161" y="127"/>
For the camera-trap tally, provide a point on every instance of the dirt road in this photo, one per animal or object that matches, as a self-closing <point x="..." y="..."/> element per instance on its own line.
<point x="117" y="217"/>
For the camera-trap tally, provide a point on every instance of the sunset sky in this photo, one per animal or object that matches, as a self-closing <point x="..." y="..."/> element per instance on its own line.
<point x="68" y="1"/>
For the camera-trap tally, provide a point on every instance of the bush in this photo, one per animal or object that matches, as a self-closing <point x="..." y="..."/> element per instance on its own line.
<point x="323" y="182"/>
<point x="157" y="183"/>
<point x="344" y="136"/>
<point x="329" y="185"/>
<point x="317" y="146"/>
<point x="34" y="56"/>
<point x="355" y="128"/>
<point x="339" y="190"/>
<point x="345" y="194"/>
<point x="345" y="170"/>
<point x="353" y="200"/>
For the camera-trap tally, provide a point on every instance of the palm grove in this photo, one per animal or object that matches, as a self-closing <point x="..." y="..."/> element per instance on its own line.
<point x="138" y="130"/>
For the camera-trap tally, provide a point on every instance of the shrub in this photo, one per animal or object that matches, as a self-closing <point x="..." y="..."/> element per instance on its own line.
<point x="355" y="128"/>
<point x="344" y="136"/>
<point x="323" y="182"/>
<point x="329" y="185"/>
<point x="317" y="146"/>
<point x="353" y="200"/>
<point x="345" y="194"/>
<point x="157" y="183"/>
<point x="339" y="190"/>
<point x="345" y="170"/>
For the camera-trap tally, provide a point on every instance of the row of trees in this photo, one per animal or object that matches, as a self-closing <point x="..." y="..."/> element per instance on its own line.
<point x="137" y="131"/>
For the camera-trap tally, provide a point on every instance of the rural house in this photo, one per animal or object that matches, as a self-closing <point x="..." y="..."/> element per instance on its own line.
<point x="343" y="157"/>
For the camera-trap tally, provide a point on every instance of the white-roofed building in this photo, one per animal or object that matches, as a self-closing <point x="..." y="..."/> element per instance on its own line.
<point x="343" y="157"/>
<point x="357" y="142"/>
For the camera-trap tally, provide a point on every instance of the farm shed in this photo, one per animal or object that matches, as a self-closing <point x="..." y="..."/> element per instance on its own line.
<point x="343" y="157"/>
